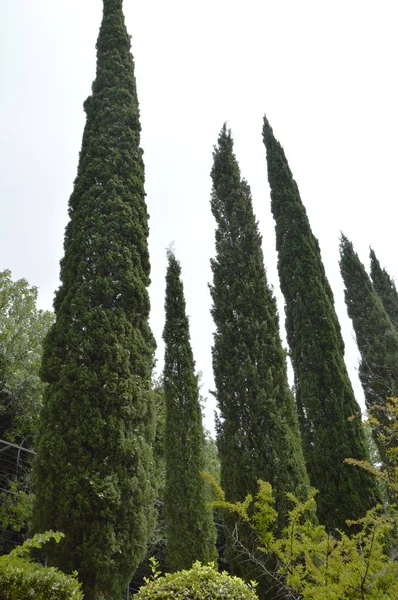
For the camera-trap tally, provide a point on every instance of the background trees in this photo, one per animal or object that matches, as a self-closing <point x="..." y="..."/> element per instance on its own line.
<point x="94" y="475"/>
<point x="376" y="336"/>
<point x="22" y="329"/>
<point x="189" y="523"/>
<point x="329" y="415"/>
<point x="385" y="287"/>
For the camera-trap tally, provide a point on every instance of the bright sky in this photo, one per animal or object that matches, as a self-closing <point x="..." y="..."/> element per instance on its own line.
<point x="324" y="72"/>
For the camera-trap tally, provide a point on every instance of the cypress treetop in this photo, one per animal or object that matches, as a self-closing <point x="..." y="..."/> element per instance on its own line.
<point x="257" y="433"/>
<point x="189" y="522"/>
<point x="385" y="287"/>
<point x="94" y="470"/>
<point x="329" y="415"/>
<point x="376" y="336"/>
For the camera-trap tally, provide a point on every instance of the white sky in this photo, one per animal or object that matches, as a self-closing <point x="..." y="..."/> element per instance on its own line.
<point x="324" y="72"/>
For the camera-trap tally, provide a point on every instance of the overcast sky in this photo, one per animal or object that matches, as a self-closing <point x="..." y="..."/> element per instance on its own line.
<point x="324" y="72"/>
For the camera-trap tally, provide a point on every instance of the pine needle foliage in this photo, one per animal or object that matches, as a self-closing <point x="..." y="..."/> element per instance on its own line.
<point x="257" y="433"/>
<point x="329" y="415"/>
<point x="190" y="531"/>
<point x="385" y="287"/>
<point x="376" y="336"/>
<point x="94" y="473"/>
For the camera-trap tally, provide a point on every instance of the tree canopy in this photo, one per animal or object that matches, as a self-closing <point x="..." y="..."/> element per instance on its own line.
<point x="22" y="330"/>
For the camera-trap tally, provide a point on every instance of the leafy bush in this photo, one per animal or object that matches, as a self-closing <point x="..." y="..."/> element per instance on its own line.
<point x="312" y="564"/>
<point x="21" y="578"/>
<point x="198" y="583"/>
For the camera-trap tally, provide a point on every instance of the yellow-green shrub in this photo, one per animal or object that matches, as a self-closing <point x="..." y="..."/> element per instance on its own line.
<point x="21" y="578"/>
<point x="198" y="583"/>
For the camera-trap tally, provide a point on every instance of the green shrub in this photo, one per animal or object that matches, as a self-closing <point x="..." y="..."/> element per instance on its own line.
<point x="22" y="579"/>
<point x="198" y="583"/>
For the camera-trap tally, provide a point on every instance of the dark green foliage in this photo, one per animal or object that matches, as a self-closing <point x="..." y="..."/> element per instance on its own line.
<point x="257" y="433"/>
<point x="385" y="287"/>
<point x="190" y="532"/>
<point x="376" y="336"/>
<point x="329" y="415"/>
<point x="199" y="583"/>
<point x="94" y="474"/>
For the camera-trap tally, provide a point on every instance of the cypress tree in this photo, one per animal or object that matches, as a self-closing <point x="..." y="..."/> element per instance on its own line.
<point x="385" y="287"/>
<point x="376" y="336"/>
<point x="94" y="472"/>
<point x="257" y="432"/>
<point x="329" y="415"/>
<point x="190" y="531"/>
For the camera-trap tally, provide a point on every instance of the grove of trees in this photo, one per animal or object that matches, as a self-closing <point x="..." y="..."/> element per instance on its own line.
<point x="118" y="454"/>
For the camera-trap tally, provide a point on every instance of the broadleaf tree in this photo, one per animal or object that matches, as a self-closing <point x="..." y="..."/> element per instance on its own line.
<point x="329" y="415"/>
<point x="22" y="330"/>
<point x="190" y="531"/>
<point x="94" y="474"/>
<point x="257" y="431"/>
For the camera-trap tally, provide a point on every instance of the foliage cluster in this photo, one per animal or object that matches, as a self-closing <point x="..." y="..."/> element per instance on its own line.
<point x="15" y="508"/>
<point x="21" y="578"/>
<point x="384" y="423"/>
<point x="22" y="329"/>
<point x="312" y="564"/>
<point x="201" y="582"/>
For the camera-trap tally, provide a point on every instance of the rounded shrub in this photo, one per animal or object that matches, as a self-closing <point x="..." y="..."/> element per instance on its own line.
<point x="198" y="583"/>
<point x="22" y="579"/>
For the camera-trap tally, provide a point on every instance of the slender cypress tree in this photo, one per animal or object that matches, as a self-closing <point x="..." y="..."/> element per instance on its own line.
<point x="329" y="415"/>
<point x="257" y="433"/>
<point x="376" y="336"/>
<point x="190" y="529"/>
<point x="385" y="287"/>
<point x="94" y="471"/>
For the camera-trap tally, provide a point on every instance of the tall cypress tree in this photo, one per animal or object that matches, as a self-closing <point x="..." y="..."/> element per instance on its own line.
<point x="94" y="471"/>
<point x="376" y="336"/>
<point x="329" y="415"/>
<point x="257" y="433"/>
<point x="385" y="287"/>
<point x="190" y="529"/>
